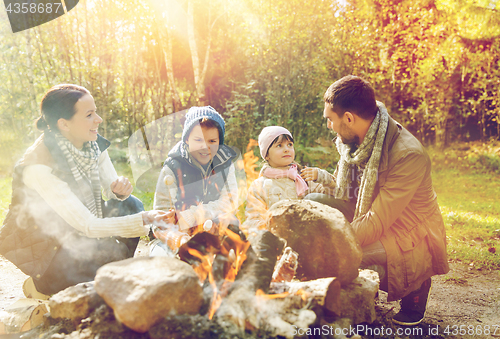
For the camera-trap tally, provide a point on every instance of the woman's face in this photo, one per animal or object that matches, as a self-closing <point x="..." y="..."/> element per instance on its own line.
<point x="281" y="154"/>
<point x="82" y="127"/>
<point x="203" y="143"/>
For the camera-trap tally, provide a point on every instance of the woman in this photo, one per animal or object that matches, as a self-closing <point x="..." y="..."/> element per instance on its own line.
<point x="59" y="230"/>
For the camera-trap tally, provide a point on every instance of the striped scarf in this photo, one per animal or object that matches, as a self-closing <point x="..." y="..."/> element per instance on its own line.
<point x="368" y="152"/>
<point x="84" y="165"/>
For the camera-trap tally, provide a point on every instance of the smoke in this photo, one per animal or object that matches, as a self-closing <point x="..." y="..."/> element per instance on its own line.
<point x="76" y="255"/>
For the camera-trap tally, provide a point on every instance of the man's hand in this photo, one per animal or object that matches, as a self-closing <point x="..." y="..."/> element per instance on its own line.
<point x="309" y="173"/>
<point x="158" y="218"/>
<point x="121" y="187"/>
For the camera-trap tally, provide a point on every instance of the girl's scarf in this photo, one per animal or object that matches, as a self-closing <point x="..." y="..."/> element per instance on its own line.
<point x="84" y="165"/>
<point x="368" y="153"/>
<point x="291" y="173"/>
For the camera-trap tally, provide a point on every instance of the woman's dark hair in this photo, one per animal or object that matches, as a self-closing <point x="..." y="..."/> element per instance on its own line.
<point x="59" y="102"/>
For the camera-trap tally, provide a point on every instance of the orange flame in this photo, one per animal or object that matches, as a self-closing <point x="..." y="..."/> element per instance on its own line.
<point x="241" y="254"/>
<point x="181" y="185"/>
<point x="250" y="162"/>
<point x="304" y="295"/>
<point x="240" y="250"/>
<point x="204" y="269"/>
<point x="216" y="302"/>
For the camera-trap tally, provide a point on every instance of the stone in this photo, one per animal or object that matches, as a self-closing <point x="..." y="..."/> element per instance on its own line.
<point x="358" y="298"/>
<point x="322" y="237"/>
<point x="23" y="315"/>
<point x="75" y="302"/>
<point x="143" y="290"/>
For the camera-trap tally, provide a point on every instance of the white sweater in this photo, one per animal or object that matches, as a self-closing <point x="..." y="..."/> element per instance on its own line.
<point x="61" y="199"/>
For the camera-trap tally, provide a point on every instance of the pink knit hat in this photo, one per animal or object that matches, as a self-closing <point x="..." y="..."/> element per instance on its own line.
<point x="267" y="136"/>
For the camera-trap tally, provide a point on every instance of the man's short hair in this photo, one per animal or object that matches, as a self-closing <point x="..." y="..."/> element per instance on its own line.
<point x="353" y="94"/>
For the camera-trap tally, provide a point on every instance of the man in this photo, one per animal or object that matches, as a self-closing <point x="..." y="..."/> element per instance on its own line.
<point x="383" y="186"/>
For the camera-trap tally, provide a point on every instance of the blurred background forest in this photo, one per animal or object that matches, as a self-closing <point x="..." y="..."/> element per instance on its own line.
<point x="434" y="63"/>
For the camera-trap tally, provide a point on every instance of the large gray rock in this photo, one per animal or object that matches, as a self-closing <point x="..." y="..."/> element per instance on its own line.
<point x="143" y="290"/>
<point x="75" y="302"/>
<point x="358" y="298"/>
<point x="322" y="237"/>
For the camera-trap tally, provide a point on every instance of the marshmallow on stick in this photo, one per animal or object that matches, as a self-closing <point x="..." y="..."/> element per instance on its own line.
<point x="207" y="225"/>
<point x="169" y="180"/>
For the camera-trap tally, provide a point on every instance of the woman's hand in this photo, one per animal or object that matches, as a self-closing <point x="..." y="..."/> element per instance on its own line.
<point x="309" y="173"/>
<point x="121" y="187"/>
<point x="159" y="218"/>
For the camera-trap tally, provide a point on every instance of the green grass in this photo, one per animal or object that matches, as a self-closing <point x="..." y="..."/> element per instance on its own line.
<point x="470" y="206"/>
<point x="147" y="198"/>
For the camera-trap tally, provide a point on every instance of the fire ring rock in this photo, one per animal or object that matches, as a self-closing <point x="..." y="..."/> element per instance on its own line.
<point x="143" y="290"/>
<point x="322" y="237"/>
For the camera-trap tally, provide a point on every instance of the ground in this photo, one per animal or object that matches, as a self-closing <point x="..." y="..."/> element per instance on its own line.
<point x="465" y="300"/>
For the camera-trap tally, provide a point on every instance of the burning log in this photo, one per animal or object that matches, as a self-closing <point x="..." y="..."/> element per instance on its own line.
<point x="249" y="307"/>
<point x="217" y="264"/>
<point x="275" y="313"/>
<point x="286" y="266"/>
<point x="236" y="278"/>
<point x="323" y="292"/>
<point x="261" y="260"/>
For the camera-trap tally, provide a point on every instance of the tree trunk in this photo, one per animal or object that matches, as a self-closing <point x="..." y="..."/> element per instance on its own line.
<point x="166" y="43"/>
<point x="32" y="92"/>
<point x="498" y="126"/>
<point x="483" y="122"/>
<point x="199" y="76"/>
<point x="441" y="131"/>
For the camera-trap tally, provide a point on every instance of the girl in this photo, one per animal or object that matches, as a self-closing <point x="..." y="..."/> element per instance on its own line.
<point x="59" y="230"/>
<point x="279" y="177"/>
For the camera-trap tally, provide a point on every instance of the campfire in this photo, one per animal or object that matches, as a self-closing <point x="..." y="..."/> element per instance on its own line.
<point x="250" y="283"/>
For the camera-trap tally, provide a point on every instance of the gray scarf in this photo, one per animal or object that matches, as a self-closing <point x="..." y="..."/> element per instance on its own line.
<point x="368" y="152"/>
<point x="84" y="165"/>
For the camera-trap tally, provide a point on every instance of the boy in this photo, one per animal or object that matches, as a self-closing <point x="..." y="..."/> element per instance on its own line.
<point x="198" y="177"/>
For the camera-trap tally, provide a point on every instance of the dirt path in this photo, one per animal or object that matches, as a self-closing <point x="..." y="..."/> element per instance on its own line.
<point x="464" y="297"/>
<point x="465" y="303"/>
